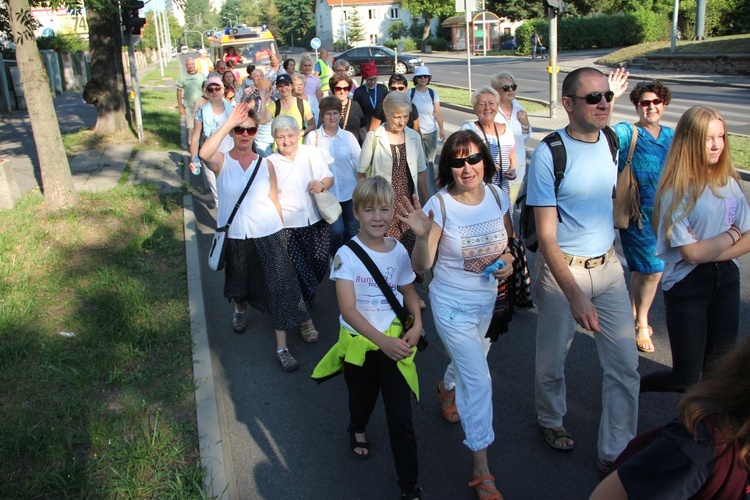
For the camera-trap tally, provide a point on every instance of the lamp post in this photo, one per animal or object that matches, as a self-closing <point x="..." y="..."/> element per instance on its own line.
<point x="203" y="45"/>
<point x="236" y="20"/>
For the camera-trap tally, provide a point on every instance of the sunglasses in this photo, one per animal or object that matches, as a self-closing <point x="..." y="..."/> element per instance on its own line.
<point x="397" y="89"/>
<point x="595" y="97"/>
<point x="343" y="89"/>
<point x="472" y="160"/>
<point x="646" y="103"/>
<point x="508" y="88"/>
<point x="213" y="88"/>
<point x="241" y="130"/>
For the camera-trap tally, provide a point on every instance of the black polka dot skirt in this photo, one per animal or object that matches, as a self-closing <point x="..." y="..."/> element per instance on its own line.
<point x="259" y="271"/>
<point x="308" y="249"/>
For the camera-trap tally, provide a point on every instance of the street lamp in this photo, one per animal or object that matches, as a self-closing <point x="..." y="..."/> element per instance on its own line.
<point x="203" y="45"/>
<point x="236" y="20"/>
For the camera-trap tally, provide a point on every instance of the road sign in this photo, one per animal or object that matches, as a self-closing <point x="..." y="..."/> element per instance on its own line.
<point x="315" y="43"/>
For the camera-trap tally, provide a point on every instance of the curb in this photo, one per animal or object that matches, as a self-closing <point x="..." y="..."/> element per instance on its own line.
<point x="211" y="445"/>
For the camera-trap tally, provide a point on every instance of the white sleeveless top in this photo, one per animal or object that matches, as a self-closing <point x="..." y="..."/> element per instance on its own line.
<point x="257" y="215"/>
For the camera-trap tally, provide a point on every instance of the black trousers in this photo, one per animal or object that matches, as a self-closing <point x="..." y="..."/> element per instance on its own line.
<point x="380" y="373"/>
<point x="702" y="312"/>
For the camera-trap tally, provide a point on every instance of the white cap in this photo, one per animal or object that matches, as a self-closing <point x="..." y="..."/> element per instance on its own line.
<point x="203" y="51"/>
<point x="421" y="71"/>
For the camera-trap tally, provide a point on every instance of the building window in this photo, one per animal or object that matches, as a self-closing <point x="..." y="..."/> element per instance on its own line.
<point x="393" y="13"/>
<point x="372" y="13"/>
<point x="373" y="39"/>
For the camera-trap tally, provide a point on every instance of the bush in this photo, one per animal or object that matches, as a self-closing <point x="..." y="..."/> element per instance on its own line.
<point x="62" y="42"/>
<point x="415" y="32"/>
<point x="340" y="46"/>
<point x="600" y="31"/>
<point x="409" y="44"/>
<point x="438" y="43"/>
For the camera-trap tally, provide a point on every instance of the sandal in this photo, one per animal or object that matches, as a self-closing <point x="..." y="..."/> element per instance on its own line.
<point x="353" y="443"/>
<point x="552" y="435"/>
<point x="484" y="490"/>
<point x="643" y="340"/>
<point x="308" y="332"/>
<point x="450" y="412"/>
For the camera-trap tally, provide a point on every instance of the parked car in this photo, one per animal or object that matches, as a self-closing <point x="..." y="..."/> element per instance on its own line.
<point x="384" y="58"/>
<point x="184" y="49"/>
<point x="510" y="43"/>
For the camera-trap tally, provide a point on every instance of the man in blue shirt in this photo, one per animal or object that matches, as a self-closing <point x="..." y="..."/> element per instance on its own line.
<point x="578" y="278"/>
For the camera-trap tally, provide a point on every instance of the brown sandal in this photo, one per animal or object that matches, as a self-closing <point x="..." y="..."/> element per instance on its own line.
<point x="450" y="412"/>
<point x="484" y="490"/>
<point x="643" y="340"/>
<point x="308" y="332"/>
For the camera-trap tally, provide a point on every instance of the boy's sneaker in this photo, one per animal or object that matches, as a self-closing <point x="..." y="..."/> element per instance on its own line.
<point x="288" y="363"/>
<point x="238" y="322"/>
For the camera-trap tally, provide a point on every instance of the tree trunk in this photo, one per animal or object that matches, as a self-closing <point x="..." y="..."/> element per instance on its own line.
<point x="106" y="90"/>
<point x="57" y="182"/>
<point x="426" y="31"/>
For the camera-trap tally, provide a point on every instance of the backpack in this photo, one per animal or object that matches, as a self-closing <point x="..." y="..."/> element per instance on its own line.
<point x="300" y="107"/>
<point x="432" y="94"/>
<point x="527" y="223"/>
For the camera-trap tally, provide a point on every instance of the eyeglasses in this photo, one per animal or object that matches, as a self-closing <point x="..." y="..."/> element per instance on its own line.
<point x="595" y="97"/>
<point x="397" y="88"/>
<point x="332" y="114"/>
<point x="241" y="130"/>
<point x="472" y="160"/>
<point x="343" y="89"/>
<point x="213" y="88"/>
<point x="646" y="103"/>
<point x="508" y="88"/>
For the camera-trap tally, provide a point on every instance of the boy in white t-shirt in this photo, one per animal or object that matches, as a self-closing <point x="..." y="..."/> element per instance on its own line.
<point x="373" y="352"/>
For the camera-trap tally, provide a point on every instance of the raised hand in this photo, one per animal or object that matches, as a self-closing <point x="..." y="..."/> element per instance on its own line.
<point x="410" y="213"/>
<point x="618" y="81"/>
<point x="238" y="114"/>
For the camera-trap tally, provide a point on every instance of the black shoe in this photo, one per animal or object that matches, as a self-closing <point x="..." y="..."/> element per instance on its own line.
<point x="353" y="443"/>
<point x="416" y="494"/>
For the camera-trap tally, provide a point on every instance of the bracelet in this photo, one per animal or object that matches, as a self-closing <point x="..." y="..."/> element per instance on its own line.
<point x="734" y="242"/>
<point x="737" y="231"/>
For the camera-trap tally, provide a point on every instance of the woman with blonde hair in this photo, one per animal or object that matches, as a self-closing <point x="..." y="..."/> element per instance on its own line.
<point x="298" y="90"/>
<point x="705" y="453"/>
<point x="702" y="221"/>
<point x="395" y="152"/>
<point x="497" y="136"/>
<point x="313" y="86"/>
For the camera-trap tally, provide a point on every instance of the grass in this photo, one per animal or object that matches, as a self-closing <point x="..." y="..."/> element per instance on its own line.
<point x="460" y="97"/>
<point x="740" y="148"/>
<point x="154" y="78"/>
<point x="106" y="410"/>
<point x="735" y="44"/>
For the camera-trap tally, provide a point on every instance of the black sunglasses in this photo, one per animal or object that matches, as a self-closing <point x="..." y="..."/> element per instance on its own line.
<point x="241" y="130"/>
<point x="398" y="89"/>
<point x="213" y="88"/>
<point x="343" y="89"/>
<point x="595" y="97"/>
<point x="646" y="103"/>
<point x="508" y="88"/>
<point x="471" y="159"/>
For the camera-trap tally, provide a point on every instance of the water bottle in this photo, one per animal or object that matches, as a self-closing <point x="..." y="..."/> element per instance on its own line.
<point x="197" y="163"/>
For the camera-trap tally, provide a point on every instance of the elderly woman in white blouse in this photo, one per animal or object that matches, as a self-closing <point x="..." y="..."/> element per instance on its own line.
<point x="512" y="113"/>
<point x="300" y="172"/>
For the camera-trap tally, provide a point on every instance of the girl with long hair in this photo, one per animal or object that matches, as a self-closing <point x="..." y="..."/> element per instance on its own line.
<point x="702" y="221"/>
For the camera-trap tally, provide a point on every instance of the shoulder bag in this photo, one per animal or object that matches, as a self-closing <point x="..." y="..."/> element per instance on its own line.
<point x="328" y="205"/>
<point x="217" y="255"/>
<point x="627" y="202"/>
<point x="406" y="319"/>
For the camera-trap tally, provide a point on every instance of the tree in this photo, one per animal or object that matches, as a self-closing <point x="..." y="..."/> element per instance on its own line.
<point x="397" y="29"/>
<point x="241" y="11"/>
<point x="296" y="18"/>
<point x="428" y="9"/>
<point x="148" y="34"/>
<point x="107" y="89"/>
<point x="356" y="31"/>
<point x="57" y="182"/>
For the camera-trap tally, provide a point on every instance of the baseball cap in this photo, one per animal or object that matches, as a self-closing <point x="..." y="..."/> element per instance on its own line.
<point x="284" y="79"/>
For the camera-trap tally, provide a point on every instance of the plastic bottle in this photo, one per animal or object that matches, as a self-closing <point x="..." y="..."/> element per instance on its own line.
<point x="197" y="163"/>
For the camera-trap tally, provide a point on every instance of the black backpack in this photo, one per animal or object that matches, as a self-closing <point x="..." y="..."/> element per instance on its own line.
<point x="527" y="223"/>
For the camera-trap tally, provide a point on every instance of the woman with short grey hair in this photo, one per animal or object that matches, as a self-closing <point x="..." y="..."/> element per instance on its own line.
<point x="302" y="171"/>
<point x="395" y="152"/>
<point x="511" y="113"/>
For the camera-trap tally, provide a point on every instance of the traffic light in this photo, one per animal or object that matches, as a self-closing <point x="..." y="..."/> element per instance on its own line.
<point x="130" y="17"/>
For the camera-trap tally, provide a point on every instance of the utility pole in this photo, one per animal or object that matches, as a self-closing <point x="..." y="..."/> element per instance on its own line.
<point x="133" y="23"/>
<point x="159" y="46"/>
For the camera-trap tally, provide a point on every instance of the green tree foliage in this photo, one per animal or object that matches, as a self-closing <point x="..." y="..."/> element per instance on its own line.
<point x="237" y="10"/>
<point x="199" y="17"/>
<point x="428" y="9"/>
<point x="269" y="16"/>
<point x="296" y="19"/>
<point x="516" y="10"/>
<point x="356" y="31"/>
<point x="148" y="33"/>
<point x="397" y="29"/>
<point x="62" y="42"/>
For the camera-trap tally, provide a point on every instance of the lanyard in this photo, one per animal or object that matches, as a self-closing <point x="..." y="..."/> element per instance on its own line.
<point x="373" y="101"/>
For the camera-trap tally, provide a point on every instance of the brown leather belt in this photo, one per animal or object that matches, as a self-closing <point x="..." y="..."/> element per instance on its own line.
<point x="589" y="262"/>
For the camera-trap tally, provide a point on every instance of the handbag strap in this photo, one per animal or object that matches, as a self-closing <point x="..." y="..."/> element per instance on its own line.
<point x="242" y="196"/>
<point x="633" y="140"/>
<point x="346" y="117"/>
<point x="372" y="268"/>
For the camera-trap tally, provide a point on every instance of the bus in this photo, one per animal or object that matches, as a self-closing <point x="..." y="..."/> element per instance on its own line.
<point x="246" y="45"/>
